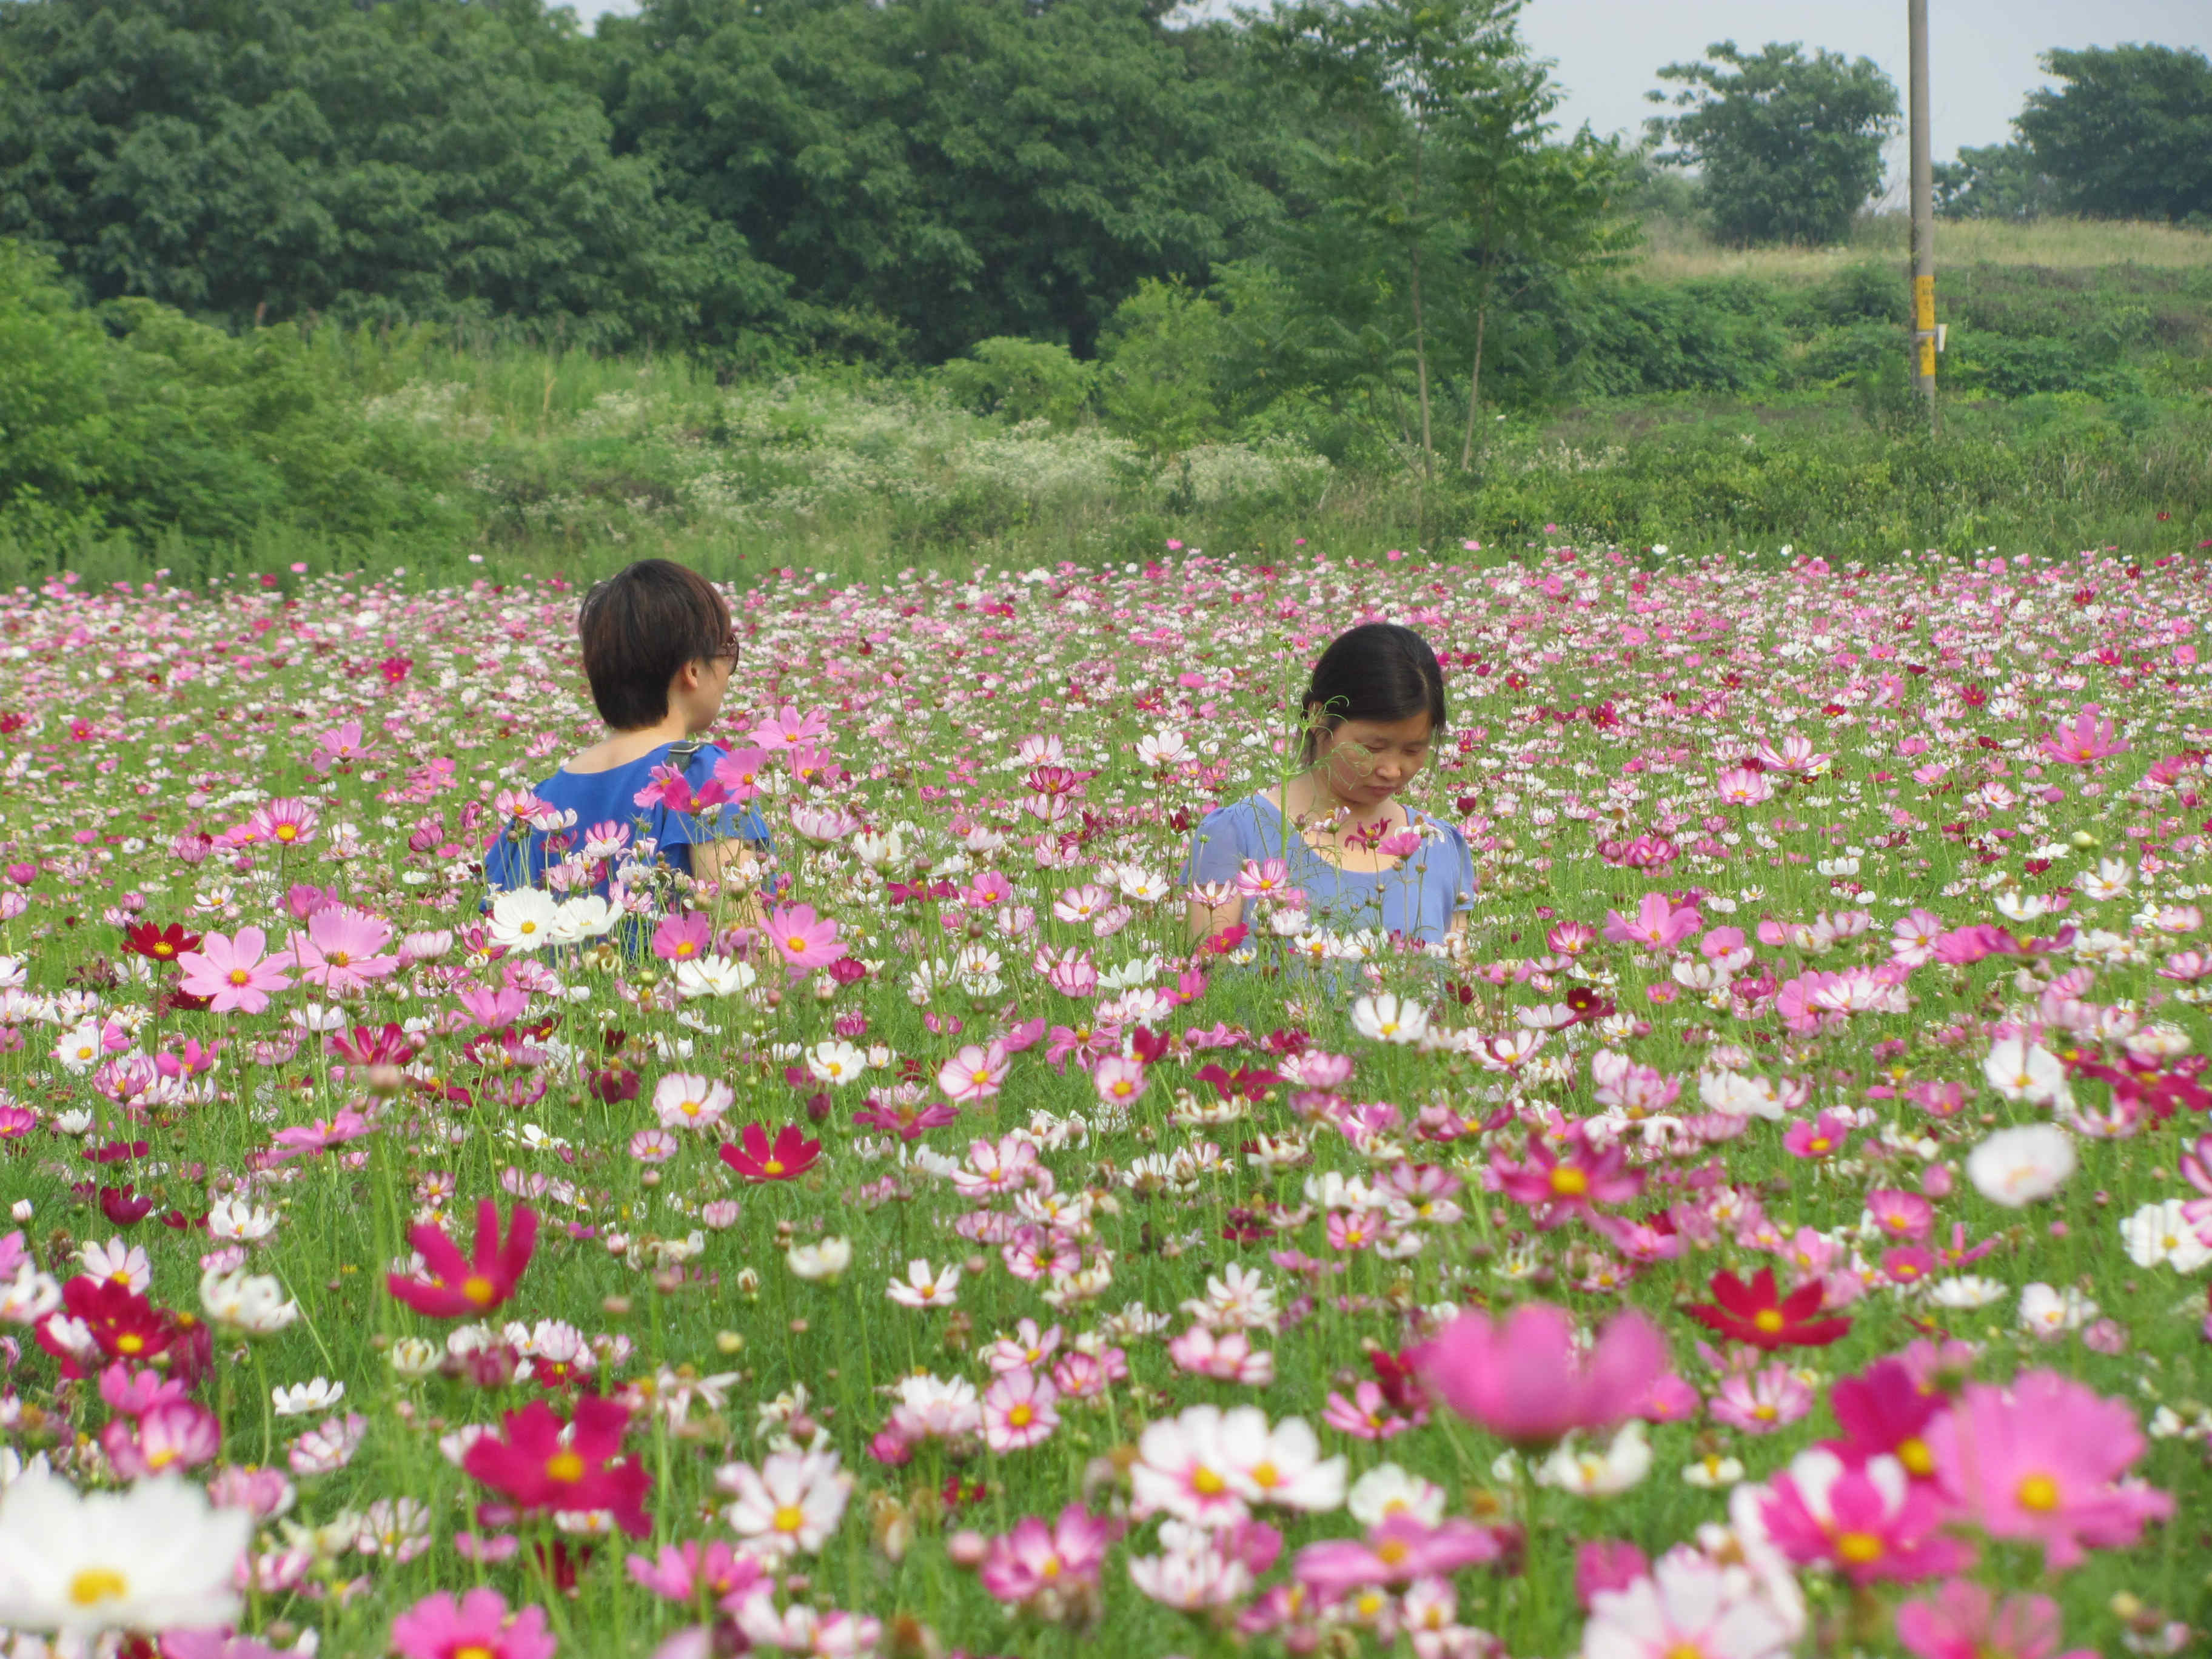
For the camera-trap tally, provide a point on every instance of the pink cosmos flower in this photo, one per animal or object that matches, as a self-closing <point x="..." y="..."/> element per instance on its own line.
<point x="1017" y="1411"/>
<point x="975" y="1073"/>
<point x="1034" y="1559"/>
<point x="1118" y="1080"/>
<point x="287" y="822"/>
<point x="2043" y="1459"/>
<point x="1965" y="1621"/>
<point x="1764" y="1401"/>
<point x="1906" y="1217"/>
<point x="1562" y="1183"/>
<point x="176" y="1434"/>
<point x="1367" y="1415"/>
<point x="739" y="772"/>
<point x="1522" y="1378"/>
<point x="1741" y="786"/>
<point x="2088" y="739"/>
<point x="442" y="1626"/>
<point x="805" y="940"/>
<point x="684" y="938"/>
<point x="1824" y="1137"/>
<point x="787" y="728"/>
<point x="340" y="950"/>
<point x="685" y="1571"/>
<point x="1226" y="1357"/>
<point x="1658" y="925"/>
<point x="320" y="1135"/>
<point x="1398" y="1548"/>
<point x="234" y="972"/>
<point x="1868" y="1521"/>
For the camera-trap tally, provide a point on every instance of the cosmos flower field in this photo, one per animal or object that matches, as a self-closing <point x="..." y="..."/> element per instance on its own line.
<point x="1779" y="1226"/>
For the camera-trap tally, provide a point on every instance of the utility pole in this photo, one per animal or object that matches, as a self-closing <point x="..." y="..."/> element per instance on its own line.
<point x="1924" y="216"/>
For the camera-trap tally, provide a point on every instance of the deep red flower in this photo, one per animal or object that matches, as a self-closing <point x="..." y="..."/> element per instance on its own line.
<point x="159" y="944"/>
<point x="116" y="1151"/>
<point x="459" y="1288"/>
<point x="1398" y="1376"/>
<point x="124" y="1324"/>
<point x="790" y="1155"/>
<point x="1759" y="1315"/>
<point x="613" y="1085"/>
<point x="529" y="1463"/>
<point x="123" y="1206"/>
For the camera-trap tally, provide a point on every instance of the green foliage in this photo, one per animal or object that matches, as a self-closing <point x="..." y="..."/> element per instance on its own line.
<point x="2129" y="136"/>
<point x="254" y="159"/>
<point x="1160" y="365"/>
<point x="1641" y="338"/>
<point x="1788" y="147"/>
<point x="139" y="419"/>
<point x="960" y="168"/>
<point x="1430" y="202"/>
<point x="1995" y="181"/>
<point x="1020" y="379"/>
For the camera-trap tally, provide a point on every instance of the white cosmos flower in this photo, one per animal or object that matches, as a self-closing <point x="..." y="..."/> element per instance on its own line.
<point x="923" y="1288"/>
<point x="524" y="918"/>
<point x="1387" y="1490"/>
<point x="823" y="1260"/>
<point x="1599" y="1471"/>
<point x="835" y="1062"/>
<point x="1386" y="1017"/>
<point x="2048" y="1311"/>
<point x="1967" y="1290"/>
<point x="2020" y="1070"/>
<point x="307" y="1398"/>
<point x="155" y="1558"/>
<point x="2162" y="1236"/>
<point x="713" y="977"/>
<point x="252" y="1303"/>
<point x="2015" y="1167"/>
<point x="791" y="1502"/>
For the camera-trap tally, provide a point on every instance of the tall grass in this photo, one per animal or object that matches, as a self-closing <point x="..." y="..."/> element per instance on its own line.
<point x="1676" y="251"/>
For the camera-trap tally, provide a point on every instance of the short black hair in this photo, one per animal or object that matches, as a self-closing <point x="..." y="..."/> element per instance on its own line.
<point x="1376" y="672"/>
<point x="638" y="628"/>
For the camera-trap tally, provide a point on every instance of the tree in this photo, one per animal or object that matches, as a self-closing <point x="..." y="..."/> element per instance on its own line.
<point x="267" y="159"/>
<point x="1427" y="180"/>
<point x="1788" y="147"/>
<point x="2130" y="136"/>
<point x="959" y="169"/>
<point x="1993" y="181"/>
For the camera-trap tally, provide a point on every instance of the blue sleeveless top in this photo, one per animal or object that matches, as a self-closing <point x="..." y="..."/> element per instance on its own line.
<point x="609" y="797"/>
<point x="1418" y="898"/>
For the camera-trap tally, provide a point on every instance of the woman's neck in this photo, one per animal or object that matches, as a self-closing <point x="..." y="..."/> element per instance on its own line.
<point x="1309" y="796"/>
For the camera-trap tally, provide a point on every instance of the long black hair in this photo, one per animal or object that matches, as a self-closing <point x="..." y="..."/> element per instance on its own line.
<point x="1376" y="672"/>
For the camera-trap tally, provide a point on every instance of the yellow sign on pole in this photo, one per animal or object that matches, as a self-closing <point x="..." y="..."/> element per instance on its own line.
<point x="1924" y="303"/>
<point x="1927" y="357"/>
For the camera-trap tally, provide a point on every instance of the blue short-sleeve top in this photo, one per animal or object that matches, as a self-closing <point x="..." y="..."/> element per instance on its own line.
<point x="610" y="796"/>
<point x="1417" y="897"/>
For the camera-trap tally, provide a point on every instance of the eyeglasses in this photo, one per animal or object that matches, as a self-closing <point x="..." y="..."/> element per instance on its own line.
<point x="729" y="648"/>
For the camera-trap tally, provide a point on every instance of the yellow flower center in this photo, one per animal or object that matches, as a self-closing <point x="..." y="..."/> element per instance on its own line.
<point x="94" y="1585"/>
<point x="1769" y="1320"/>
<point x="239" y="976"/>
<point x="1020" y="1418"/>
<point x="130" y="1342"/>
<point x="2039" y="1492"/>
<point x="1051" y="1569"/>
<point x="1567" y="1182"/>
<point x="1391" y="1551"/>
<point x="1859" y="1548"/>
<point x="287" y="832"/>
<point x="1207" y="1484"/>
<point x="480" y="1290"/>
<point x="773" y="1166"/>
<point x="1266" y="1477"/>
<point x="564" y="1466"/>
<point x="1915" y="1457"/>
<point x="789" y="1517"/>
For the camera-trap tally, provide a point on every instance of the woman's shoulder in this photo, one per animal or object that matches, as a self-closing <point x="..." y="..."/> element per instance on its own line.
<point x="1441" y="829"/>
<point x="1230" y="815"/>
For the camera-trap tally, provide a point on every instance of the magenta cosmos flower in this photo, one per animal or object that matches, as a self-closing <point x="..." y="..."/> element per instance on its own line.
<point x="1657" y="925"/>
<point x="441" y="1626"/>
<point x="1522" y="1378"/>
<point x="802" y="939"/>
<point x="1035" y="1558"/>
<point x="2043" y="1459"/>
<point x="234" y="972"/>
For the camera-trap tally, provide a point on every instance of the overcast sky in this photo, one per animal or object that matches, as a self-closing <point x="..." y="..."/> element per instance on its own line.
<point x="1982" y="52"/>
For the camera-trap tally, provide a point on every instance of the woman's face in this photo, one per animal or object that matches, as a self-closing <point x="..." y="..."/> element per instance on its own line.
<point x="1366" y="762"/>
